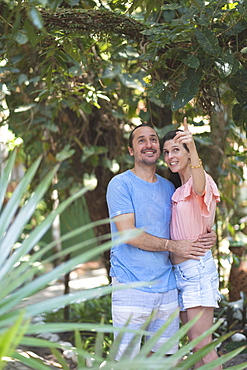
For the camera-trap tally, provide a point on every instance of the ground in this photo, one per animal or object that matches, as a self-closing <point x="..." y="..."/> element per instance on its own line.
<point x="239" y="359"/>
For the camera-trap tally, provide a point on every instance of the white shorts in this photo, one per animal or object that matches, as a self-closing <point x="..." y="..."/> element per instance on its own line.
<point x="197" y="283"/>
<point x="137" y="306"/>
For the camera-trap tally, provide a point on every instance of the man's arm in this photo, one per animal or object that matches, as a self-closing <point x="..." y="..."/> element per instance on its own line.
<point x="148" y="242"/>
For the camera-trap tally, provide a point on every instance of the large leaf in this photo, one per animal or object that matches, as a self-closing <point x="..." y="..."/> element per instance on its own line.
<point x="236" y="28"/>
<point x="225" y="64"/>
<point x="141" y="361"/>
<point x="10" y="209"/>
<point x="208" y="41"/>
<point x="5" y="177"/>
<point x="11" y="338"/>
<point x="239" y="115"/>
<point x="128" y="81"/>
<point x="36" y="18"/>
<point x="31" y="287"/>
<point x="188" y="89"/>
<point x="17" y="225"/>
<point x="191" y="61"/>
<point x="34" y="238"/>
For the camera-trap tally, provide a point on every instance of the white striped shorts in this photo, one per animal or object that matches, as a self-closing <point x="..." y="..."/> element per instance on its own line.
<point x="137" y="306"/>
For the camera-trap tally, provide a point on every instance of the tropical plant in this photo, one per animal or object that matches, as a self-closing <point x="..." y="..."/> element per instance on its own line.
<point x="20" y="276"/>
<point x="182" y="359"/>
<point x="19" y="282"/>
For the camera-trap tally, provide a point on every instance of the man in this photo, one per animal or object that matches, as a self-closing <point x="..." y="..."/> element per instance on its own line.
<point x="139" y="198"/>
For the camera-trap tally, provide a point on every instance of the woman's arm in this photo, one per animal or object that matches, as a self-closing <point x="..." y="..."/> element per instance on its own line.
<point x="196" y="167"/>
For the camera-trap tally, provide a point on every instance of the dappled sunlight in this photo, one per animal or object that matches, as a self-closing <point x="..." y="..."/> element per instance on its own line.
<point x="80" y="279"/>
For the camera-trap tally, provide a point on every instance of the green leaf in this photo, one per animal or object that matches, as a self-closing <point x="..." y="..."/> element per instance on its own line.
<point x="188" y="17"/>
<point x="99" y="342"/>
<point x="110" y="72"/>
<point x="236" y="28"/>
<point x="157" y="88"/>
<point x="191" y="61"/>
<point x="203" y="20"/>
<point x="156" y="30"/>
<point x="10" y="209"/>
<point x="135" y="5"/>
<point x="171" y="6"/>
<point x="208" y="41"/>
<point x="79" y="344"/>
<point x="238" y="81"/>
<point x="86" y="107"/>
<point x="33" y="363"/>
<point x="33" y="239"/>
<point x="244" y="50"/>
<point x="234" y="345"/>
<point x="21" y="37"/>
<point x="60" y="358"/>
<point x="90" y="151"/>
<point x="17" y="225"/>
<point x="22" y="78"/>
<point x="73" y="53"/>
<point x="33" y="37"/>
<point x="187" y="90"/>
<point x="17" y="22"/>
<point x="6" y="177"/>
<point x="166" y="97"/>
<point x="228" y="97"/>
<point x="49" y="77"/>
<point x="219" y="361"/>
<point x="65" y="153"/>
<point x="12" y="336"/>
<point x="129" y="82"/>
<point x="225" y="64"/>
<point x="36" y="18"/>
<point x="61" y="59"/>
<point x="239" y="115"/>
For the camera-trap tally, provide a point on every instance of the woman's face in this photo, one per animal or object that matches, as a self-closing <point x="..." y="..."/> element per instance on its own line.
<point x="176" y="156"/>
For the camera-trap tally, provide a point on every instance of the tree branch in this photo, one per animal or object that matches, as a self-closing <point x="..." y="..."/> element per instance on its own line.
<point x="94" y="22"/>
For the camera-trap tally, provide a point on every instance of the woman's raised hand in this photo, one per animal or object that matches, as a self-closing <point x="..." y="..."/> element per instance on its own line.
<point x="185" y="137"/>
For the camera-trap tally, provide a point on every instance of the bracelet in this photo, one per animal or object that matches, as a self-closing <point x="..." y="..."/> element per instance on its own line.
<point x="199" y="165"/>
<point x="166" y="243"/>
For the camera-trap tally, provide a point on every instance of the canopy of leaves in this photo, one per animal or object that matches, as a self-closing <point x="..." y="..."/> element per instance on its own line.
<point x="73" y="73"/>
<point x="191" y="47"/>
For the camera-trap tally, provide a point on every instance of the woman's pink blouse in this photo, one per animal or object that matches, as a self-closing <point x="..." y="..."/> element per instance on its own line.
<point x="191" y="213"/>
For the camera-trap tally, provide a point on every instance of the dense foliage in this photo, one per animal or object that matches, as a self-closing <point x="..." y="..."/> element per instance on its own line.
<point x="73" y="73"/>
<point x="77" y="75"/>
<point x="179" y="51"/>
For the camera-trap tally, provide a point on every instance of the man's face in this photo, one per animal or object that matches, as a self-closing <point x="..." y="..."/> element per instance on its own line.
<point x="145" y="146"/>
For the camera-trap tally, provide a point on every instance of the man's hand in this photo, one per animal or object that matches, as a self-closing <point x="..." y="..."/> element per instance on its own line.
<point x="208" y="239"/>
<point x="187" y="248"/>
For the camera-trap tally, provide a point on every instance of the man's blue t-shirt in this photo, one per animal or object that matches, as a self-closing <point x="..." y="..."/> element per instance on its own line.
<point x="151" y="204"/>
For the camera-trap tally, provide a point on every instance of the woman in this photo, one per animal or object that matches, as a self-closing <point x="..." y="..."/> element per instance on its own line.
<point x="193" y="211"/>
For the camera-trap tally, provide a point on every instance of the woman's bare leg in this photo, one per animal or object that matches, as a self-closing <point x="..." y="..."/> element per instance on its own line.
<point x="203" y="324"/>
